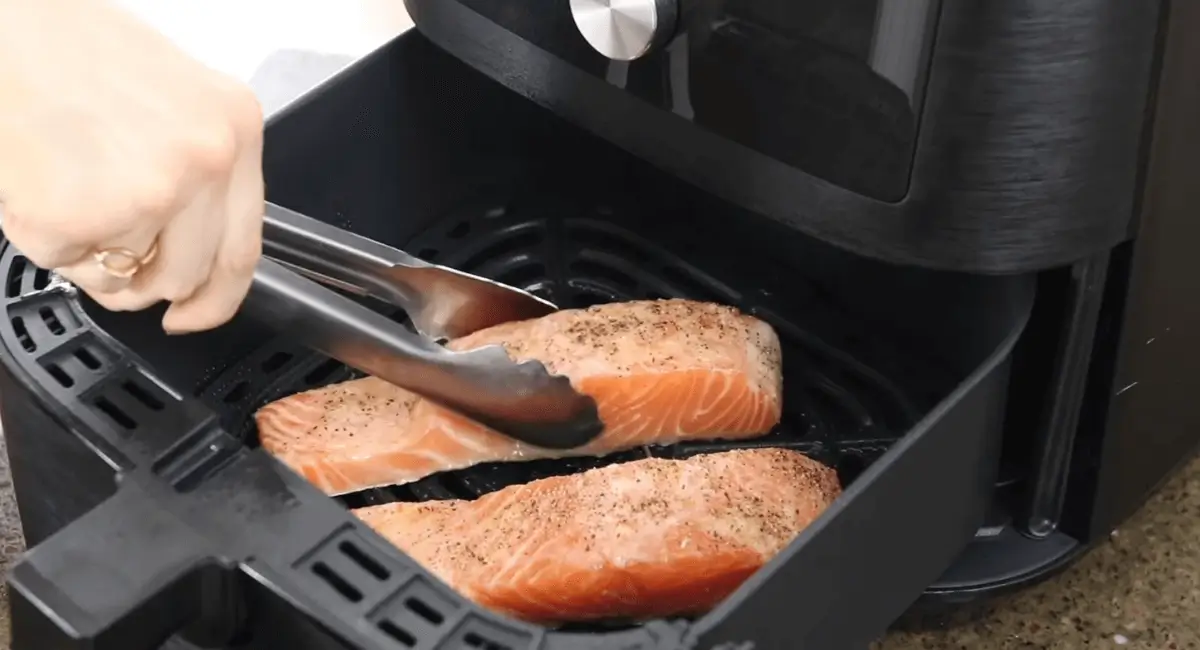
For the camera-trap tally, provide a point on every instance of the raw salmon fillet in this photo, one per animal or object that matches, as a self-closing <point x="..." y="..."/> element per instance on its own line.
<point x="660" y="372"/>
<point x="637" y="540"/>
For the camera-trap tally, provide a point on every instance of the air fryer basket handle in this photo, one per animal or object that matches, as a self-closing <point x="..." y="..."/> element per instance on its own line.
<point x="122" y="577"/>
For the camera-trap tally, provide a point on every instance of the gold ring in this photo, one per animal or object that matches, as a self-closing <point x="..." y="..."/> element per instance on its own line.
<point x="122" y="262"/>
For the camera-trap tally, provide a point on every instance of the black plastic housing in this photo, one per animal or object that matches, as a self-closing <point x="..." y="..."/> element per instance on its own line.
<point x="1022" y="154"/>
<point x="153" y="517"/>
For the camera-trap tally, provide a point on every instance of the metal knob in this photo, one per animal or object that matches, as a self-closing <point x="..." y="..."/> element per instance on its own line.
<point x="624" y="30"/>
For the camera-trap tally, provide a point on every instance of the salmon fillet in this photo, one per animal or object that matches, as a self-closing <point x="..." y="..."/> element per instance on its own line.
<point x="638" y="540"/>
<point x="660" y="372"/>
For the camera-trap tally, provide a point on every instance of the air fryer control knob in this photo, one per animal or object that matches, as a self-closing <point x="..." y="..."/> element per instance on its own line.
<point x="624" y="30"/>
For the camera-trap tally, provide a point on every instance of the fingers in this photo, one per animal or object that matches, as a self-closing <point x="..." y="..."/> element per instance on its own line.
<point x="48" y="252"/>
<point x="186" y="248"/>
<point x="120" y="140"/>
<point x="218" y="299"/>
<point x="88" y="274"/>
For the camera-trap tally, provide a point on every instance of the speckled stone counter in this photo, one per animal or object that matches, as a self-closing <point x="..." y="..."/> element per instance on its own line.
<point x="1140" y="590"/>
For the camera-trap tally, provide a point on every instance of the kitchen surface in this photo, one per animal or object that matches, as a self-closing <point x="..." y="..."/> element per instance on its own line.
<point x="1141" y="589"/>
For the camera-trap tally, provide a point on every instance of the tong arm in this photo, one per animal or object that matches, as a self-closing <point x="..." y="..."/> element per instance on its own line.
<point x="334" y="256"/>
<point x="521" y="400"/>
<point x="441" y="302"/>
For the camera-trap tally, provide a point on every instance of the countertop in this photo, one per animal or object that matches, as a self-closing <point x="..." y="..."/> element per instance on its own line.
<point x="1140" y="589"/>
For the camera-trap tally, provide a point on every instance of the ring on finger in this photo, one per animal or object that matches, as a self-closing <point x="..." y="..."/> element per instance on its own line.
<point x="120" y="262"/>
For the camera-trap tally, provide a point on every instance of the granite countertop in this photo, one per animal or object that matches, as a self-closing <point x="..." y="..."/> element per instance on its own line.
<point x="1140" y="589"/>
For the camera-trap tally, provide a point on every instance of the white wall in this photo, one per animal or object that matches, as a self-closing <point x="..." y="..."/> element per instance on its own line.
<point x="236" y="36"/>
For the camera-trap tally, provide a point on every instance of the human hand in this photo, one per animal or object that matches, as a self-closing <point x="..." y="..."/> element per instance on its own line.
<point x="125" y="165"/>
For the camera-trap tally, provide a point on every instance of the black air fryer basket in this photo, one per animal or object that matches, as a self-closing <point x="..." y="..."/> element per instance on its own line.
<point x="155" y="518"/>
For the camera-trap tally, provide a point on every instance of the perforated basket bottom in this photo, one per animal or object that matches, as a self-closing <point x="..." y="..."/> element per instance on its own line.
<point x="838" y="409"/>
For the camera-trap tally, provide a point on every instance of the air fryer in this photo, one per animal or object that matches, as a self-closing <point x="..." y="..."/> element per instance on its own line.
<point x="945" y="372"/>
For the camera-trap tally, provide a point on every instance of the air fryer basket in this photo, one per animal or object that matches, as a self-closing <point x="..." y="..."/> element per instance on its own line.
<point x="894" y="376"/>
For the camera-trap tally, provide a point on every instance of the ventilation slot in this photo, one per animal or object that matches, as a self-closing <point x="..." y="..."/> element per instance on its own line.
<point x="114" y="413"/>
<point x="588" y="297"/>
<point x="22" y="333"/>
<point x="88" y="359"/>
<point x="396" y="632"/>
<point x="65" y="380"/>
<point x="275" y="362"/>
<point x="238" y="393"/>
<point x="473" y="640"/>
<point x="597" y="271"/>
<point x="52" y="322"/>
<point x="339" y="584"/>
<point x="350" y="550"/>
<point x="16" y="277"/>
<point x="522" y="277"/>
<point x="424" y="611"/>
<point x="318" y="375"/>
<point x="482" y="634"/>
<point x="502" y="249"/>
<point x="416" y="613"/>
<point x="41" y="279"/>
<point x="686" y="285"/>
<point x="143" y="396"/>
<point x="598" y="239"/>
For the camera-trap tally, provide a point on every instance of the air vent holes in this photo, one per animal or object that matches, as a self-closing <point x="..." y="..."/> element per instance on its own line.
<point x="89" y="359"/>
<point x="238" y="393"/>
<point x="517" y="246"/>
<point x="241" y="389"/>
<point x="130" y="403"/>
<point x="115" y="414"/>
<point x="599" y="271"/>
<point x="76" y="364"/>
<point x="14" y="286"/>
<point x="482" y="634"/>
<point x="41" y="279"/>
<point x="339" y="584"/>
<point x="319" y="375"/>
<point x="397" y="633"/>
<point x="60" y="375"/>
<point x="524" y="277"/>
<point x="143" y="396"/>
<point x="52" y="322"/>
<point x="347" y="564"/>
<point x="588" y="297"/>
<point x="22" y="332"/>
<point x="409" y="609"/>
<point x="276" y="361"/>
<point x="418" y="611"/>
<point x="686" y="284"/>
<point x="369" y="564"/>
<point x="473" y="640"/>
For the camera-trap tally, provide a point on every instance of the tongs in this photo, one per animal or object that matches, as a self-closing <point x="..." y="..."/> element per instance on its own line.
<point x="521" y="400"/>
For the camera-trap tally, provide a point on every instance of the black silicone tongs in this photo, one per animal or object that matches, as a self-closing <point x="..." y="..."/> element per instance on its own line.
<point x="521" y="400"/>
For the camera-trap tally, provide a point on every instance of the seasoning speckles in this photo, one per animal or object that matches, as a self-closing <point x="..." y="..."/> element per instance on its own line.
<point x="647" y="538"/>
<point x="660" y="371"/>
